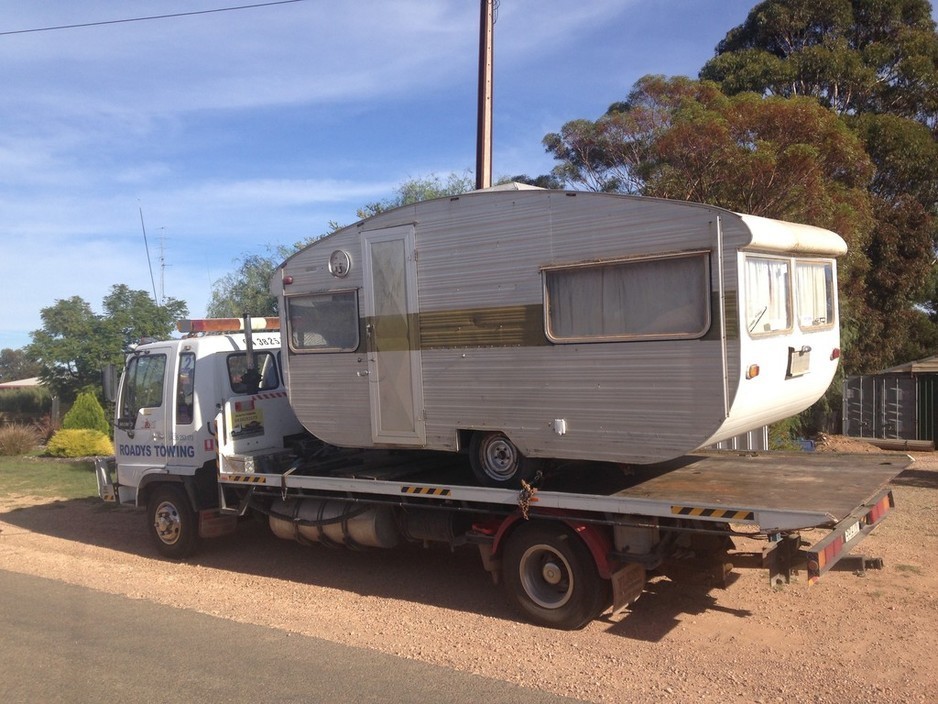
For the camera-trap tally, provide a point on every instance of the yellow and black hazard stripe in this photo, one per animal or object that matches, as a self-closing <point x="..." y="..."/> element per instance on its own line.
<point x="425" y="490"/>
<point x="723" y="513"/>
<point x="248" y="478"/>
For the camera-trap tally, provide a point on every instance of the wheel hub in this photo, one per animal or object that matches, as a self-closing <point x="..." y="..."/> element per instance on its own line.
<point x="552" y="573"/>
<point x="167" y="523"/>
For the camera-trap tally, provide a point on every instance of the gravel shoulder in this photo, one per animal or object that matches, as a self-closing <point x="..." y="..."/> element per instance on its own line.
<point x="848" y="638"/>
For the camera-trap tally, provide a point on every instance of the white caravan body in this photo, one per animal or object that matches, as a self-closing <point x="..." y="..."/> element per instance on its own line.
<point x="580" y="325"/>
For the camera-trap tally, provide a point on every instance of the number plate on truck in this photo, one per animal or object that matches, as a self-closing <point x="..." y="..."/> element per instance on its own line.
<point x="852" y="532"/>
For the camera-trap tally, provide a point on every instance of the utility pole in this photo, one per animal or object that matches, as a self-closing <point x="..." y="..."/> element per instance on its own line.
<point x="486" y="69"/>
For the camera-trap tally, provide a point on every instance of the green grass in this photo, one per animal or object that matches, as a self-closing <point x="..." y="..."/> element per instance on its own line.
<point x="31" y="476"/>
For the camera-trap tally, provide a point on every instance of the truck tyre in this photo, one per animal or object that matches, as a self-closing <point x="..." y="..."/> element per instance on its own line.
<point x="172" y="522"/>
<point x="551" y="577"/>
<point x="497" y="462"/>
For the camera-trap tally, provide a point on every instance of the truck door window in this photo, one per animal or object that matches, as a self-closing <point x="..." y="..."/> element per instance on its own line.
<point x="326" y="322"/>
<point x="814" y="292"/>
<point x="659" y="298"/>
<point x="185" y="388"/>
<point x="264" y="365"/>
<point x="143" y="386"/>
<point x="767" y="295"/>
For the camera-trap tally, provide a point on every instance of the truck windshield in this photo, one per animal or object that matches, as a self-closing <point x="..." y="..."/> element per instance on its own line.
<point x="143" y="385"/>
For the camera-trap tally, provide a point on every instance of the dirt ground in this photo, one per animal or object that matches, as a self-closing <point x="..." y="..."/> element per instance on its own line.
<point x="849" y="638"/>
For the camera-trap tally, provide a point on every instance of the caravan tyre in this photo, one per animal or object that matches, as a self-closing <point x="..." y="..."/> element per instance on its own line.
<point x="497" y="462"/>
<point x="551" y="576"/>
<point x="172" y="522"/>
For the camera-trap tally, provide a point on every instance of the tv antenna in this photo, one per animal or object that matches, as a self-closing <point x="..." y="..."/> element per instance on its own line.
<point x="147" y="247"/>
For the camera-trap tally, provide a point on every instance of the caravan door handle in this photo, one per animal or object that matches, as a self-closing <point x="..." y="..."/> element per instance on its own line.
<point x="363" y="372"/>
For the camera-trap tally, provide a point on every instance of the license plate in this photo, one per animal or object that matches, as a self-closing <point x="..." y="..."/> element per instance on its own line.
<point x="852" y="532"/>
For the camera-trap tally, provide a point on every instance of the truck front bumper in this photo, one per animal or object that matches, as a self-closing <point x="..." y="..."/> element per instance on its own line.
<point x="105" y="468"/>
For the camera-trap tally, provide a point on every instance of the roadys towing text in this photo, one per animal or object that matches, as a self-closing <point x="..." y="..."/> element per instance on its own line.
<point x="156" y="450"/>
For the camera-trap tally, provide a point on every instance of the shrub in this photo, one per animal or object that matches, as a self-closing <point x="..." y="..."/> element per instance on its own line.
<point x="86" y="413"/>
<point x="45" y="427"/>
<point x="79" y="442"/>
<point x="25" y="401"/>
<point x="17" y="440"/>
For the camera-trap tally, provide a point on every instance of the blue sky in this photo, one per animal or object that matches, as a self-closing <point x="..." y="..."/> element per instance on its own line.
<point x="238" y="131"/>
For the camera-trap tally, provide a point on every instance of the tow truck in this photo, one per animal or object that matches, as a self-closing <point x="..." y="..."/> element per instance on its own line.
<point x="205" y="434"/>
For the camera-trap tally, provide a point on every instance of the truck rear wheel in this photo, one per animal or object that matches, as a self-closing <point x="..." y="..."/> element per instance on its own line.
<point x="551" y="577"/>
<point x="172" y="522"/>
<point x="497" y="462"/>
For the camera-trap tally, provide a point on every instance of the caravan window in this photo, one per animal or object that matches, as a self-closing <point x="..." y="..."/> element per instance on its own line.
<point x="767" y="295"/>
<point x="325" y="322"/>
<point x="659" y="298"/>
<point x="814" y="291"/>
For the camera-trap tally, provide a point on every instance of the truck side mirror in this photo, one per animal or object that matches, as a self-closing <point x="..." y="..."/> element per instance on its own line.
<point x="109" y="382"/>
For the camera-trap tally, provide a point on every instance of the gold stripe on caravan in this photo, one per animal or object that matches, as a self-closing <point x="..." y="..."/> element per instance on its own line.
<point x="425" y="490"/>
<point x="698" y="512"/>
<point x="508" y="326"/>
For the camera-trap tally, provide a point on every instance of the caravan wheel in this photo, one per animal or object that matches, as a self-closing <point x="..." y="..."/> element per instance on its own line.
<point x="497" y="462"/>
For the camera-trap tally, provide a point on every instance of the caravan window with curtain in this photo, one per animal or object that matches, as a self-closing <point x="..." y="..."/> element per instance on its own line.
<point x="767" y="291"/>
<point x="661" y="298"/>
<point x="814" y="292"/>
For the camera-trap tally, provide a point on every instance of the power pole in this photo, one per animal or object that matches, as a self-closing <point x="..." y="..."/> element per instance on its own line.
<point x="486" y="69"/>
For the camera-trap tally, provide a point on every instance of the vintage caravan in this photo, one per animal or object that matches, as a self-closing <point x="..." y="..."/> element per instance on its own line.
<point x="518" y="323"/>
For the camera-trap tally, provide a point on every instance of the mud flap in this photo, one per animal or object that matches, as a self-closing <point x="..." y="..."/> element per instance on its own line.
<point x="627" y="585"/>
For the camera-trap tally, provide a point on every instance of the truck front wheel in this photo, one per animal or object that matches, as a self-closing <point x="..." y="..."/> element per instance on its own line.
<point x="172" y="521"/>
<point x="551" y="577"/>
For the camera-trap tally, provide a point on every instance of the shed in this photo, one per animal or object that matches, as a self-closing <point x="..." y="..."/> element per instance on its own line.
<point x="898" y="403"/>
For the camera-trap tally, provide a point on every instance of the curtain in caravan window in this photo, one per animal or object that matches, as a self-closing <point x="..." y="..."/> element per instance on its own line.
<point x="814" y="282"/>
<point x="767" y="296"/>
<point x="659" y="298"/>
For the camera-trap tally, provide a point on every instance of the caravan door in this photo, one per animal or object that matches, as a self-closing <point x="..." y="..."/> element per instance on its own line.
<point x="391" y="339"/>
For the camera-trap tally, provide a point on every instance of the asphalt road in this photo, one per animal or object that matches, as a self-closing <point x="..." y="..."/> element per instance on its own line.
<point x="62" y="643"/>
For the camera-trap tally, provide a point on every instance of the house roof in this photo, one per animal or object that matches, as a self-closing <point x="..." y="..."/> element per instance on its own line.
<point x="21" y="383"/>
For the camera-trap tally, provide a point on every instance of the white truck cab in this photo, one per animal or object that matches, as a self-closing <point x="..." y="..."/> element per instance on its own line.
<point x="182" y="404"/>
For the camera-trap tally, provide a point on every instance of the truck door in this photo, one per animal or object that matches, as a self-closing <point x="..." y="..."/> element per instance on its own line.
<point x="392" y="340"/>
<point x="143" y="414"/>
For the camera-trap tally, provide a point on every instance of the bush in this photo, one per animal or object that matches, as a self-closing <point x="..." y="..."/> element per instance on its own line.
<point x="17" y="440"/>
<point x="86" y="413"/>
<point x="79" y="442"/>
<point x="25" y="401"/>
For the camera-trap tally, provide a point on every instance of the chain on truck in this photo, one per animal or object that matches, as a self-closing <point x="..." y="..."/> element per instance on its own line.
<point x="205" y="433"/>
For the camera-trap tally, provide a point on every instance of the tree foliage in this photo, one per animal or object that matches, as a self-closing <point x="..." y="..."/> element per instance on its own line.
<point x="678" y="138"/>
<point x="876" y="63"/>
<point x="420" y="189"/>
<point x="74" y="342"/>
<point x="17" y="364"/>
<point x="855" y="56"/>
<point x="246" y="290"/>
